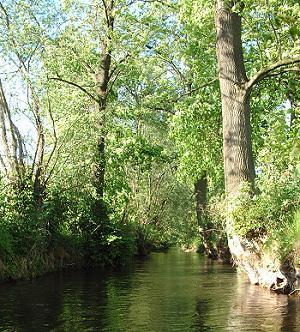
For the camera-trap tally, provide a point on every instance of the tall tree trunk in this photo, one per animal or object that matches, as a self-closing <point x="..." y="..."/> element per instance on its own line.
<point x="237" y="149"/>
<point x="38" y="161"/>
<point x="102" y="78"/>
<point x="99" y="180"/>
<point x="238" y="160"/>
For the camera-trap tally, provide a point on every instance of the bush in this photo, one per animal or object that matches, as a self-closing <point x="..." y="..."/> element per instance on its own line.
<point x="270" y="210"/>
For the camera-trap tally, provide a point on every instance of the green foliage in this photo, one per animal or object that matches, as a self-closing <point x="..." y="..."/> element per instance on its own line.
<point x="6" y="243"/>
<point x="271" y="210"/>
<point x="162" y="128"/>
<point x="23" y="228"/>
<point x="64" y="227"/>
<point x="289" y="237"/>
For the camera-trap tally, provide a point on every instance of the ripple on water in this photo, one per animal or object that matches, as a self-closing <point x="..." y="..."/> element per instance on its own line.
<point x="171" y="291"/>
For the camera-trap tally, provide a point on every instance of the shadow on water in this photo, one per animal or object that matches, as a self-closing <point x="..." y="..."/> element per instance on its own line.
<point x="171" y="291"/>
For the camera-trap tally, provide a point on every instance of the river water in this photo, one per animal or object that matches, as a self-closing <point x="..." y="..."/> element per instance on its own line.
<point x="172" y="291"/>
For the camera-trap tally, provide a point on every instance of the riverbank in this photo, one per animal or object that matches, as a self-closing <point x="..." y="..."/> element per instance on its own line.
<point x="62" y="254"/>
<point x="71" y="254"/>
<point x="37" y="263"/>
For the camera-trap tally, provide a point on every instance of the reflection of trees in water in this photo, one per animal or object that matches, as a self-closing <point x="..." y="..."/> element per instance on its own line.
<point x="82" y="296"/>
<point x="169" y="292"/>
<point x="31" y="306"/>
<point x="232" y="304"/>
<point x="217" y="291"/>
<point x="257" y="309"/>
<point x="95" y="297"/>
<point x="291" y="320"/>
<point x="70" y="301"/>
<point x="201" y="324"/>
<point x="163" y="292"/>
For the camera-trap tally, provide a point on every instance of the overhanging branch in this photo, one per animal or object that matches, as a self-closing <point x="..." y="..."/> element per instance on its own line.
<point x="76" y="86"/>
<point x="267" y="71"/>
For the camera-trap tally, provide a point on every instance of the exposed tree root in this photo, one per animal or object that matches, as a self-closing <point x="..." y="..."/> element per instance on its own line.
<point x="262" y="266"/>
<point x="295" y="292"/>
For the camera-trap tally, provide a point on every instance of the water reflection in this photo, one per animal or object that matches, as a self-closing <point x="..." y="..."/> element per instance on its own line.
<point x="256" y="309"/>
<point x="167" y="292"/>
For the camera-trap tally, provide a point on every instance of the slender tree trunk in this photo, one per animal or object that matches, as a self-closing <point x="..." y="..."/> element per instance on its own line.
<point x="293" y="103"/>
<point x="214" y="240"/>
<point x="12" y="145"/>
<point x="237" y="150"/>
<point x="204" y="225"/>
<point x="102" y="79"/>
<point x="38" y="171"/>
<point x="201" y="192"/>
<point x="99" y="180"/>
<point x="4" y="140"/>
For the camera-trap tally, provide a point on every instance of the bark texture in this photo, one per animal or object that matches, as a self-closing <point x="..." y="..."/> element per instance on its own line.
<point x="205" y="226"/>
<point x="261" y="267"/>
<point x="214" y="241"/>
<point x="18" y="167"/>
<point x="238" y="160"/>
<point x="11" y="160"/>
<point x="102" y="78"/>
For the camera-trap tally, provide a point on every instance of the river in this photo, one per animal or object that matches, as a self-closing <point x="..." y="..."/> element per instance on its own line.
<point x="171" y="291"/>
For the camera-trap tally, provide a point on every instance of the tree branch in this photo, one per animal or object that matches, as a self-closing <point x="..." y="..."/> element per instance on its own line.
<point x="106" y="12"/>
<point x="3" y="166"/>
<point x="196" y="89"/>
<point x="76" y="86"/>
<point x="10" y="145"/>
<point x="164" y="3"/>
<point x="115" y="68"/>
<point x="266" y="71"/>
<point x="54" y="144"/>
<point x="85" y="64"/>
<point x="170" y="62"/>
<point x="5" y="14"/>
